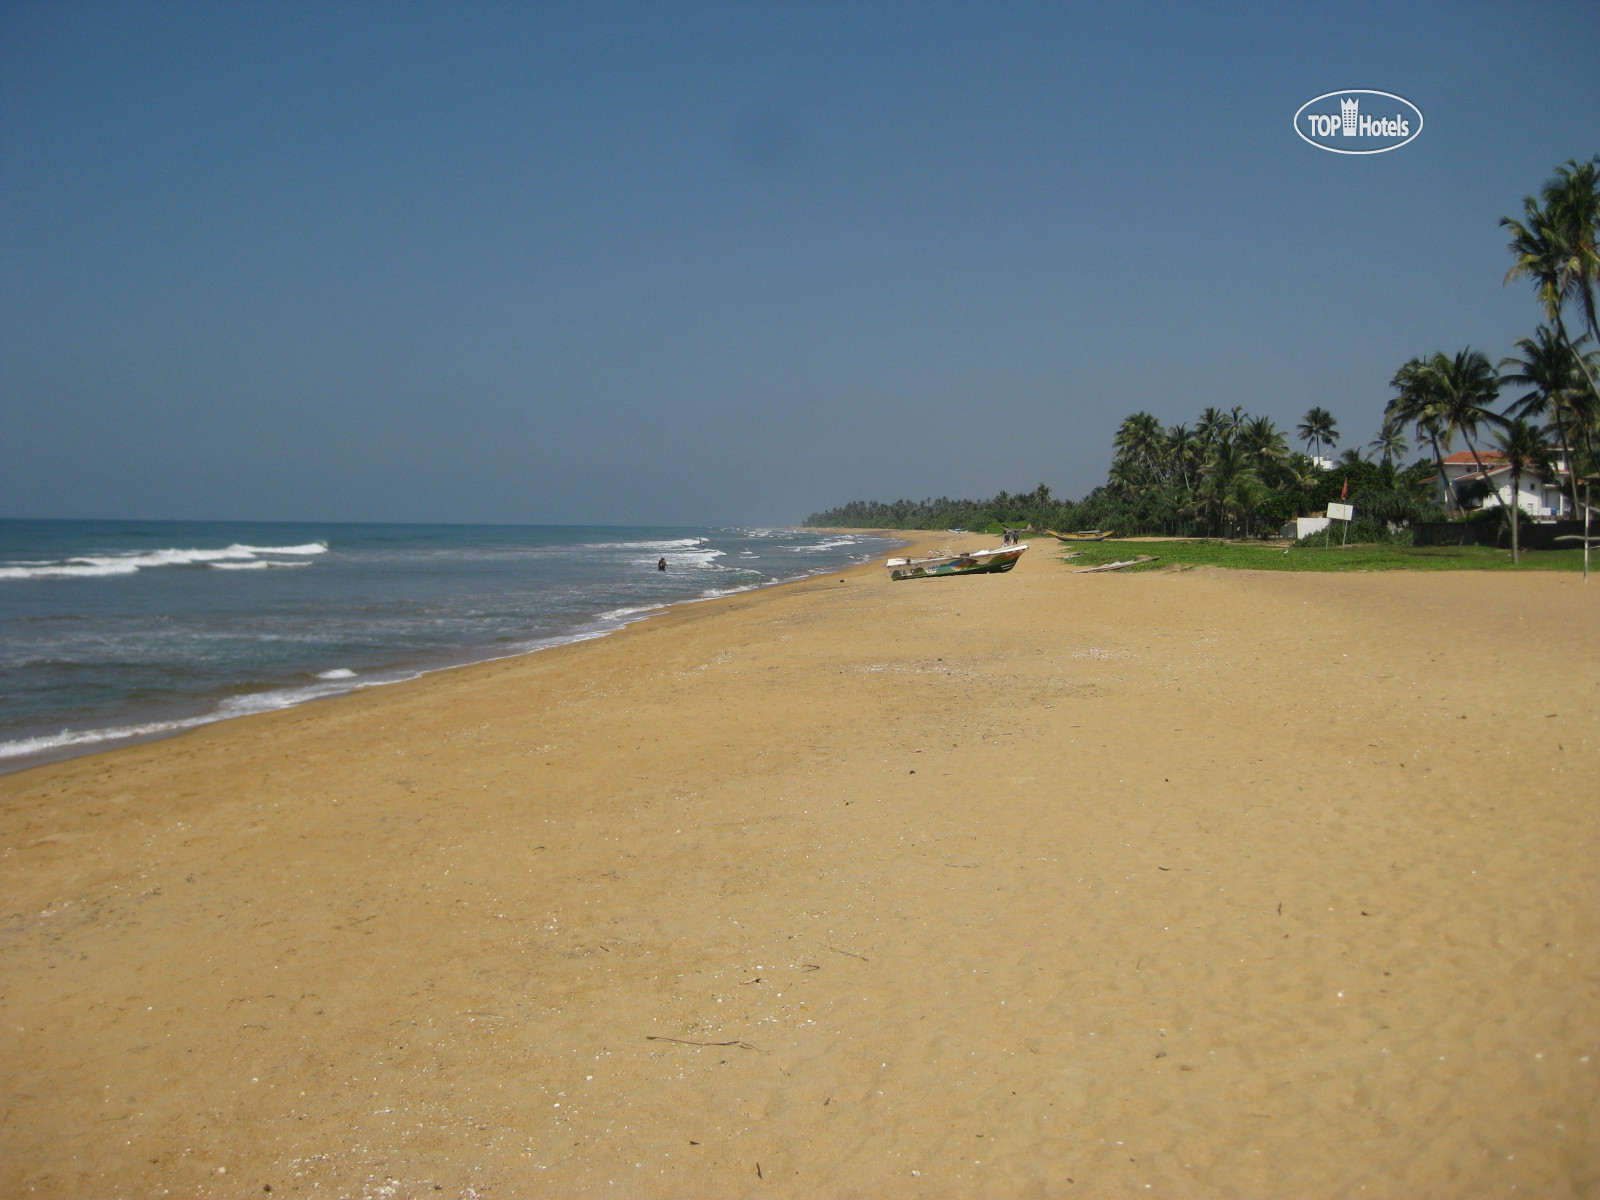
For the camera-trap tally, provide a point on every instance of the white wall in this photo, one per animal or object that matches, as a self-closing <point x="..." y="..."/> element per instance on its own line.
<point x="1303" y="527"/>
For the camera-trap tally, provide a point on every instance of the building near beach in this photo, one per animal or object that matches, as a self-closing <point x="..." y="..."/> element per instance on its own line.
<point x="1541" y="499"/>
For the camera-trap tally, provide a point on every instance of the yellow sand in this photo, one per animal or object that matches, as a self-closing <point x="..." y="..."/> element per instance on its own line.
<point x="1041" y="884"/>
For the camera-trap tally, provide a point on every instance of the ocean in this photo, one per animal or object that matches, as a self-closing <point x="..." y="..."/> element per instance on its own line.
<point x="115" y="631"/>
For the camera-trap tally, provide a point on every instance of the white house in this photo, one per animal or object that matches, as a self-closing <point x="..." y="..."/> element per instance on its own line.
<point x="1535" y="496"/>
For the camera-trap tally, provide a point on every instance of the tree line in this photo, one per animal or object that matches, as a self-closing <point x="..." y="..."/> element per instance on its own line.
<point x="1234" y="473"/>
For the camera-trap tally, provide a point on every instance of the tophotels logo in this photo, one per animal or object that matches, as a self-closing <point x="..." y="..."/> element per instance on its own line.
<point x="1357" y="121"/>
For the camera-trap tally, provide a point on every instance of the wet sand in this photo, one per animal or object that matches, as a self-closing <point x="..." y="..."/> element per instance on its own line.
<point x="1043" y="884"/>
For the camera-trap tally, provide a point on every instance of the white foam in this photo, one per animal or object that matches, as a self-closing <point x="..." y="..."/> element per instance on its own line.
<point x="260" y="564"/>
<point x="86" y="737"/>
<point x="70" y="569"/>
<point x="260" y="702"/>
<point x="235" y="557"/>
<point x="234" y="706"/>
<point x="836" y="544"/>
<point x="307" y="548"/>
<point x="664" y="544"/>
<point x="618" y="614"/>
<point x="690" y="556"/>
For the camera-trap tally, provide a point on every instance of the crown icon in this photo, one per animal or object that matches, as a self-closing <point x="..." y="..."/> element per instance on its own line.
<point x="1347" y="111"/>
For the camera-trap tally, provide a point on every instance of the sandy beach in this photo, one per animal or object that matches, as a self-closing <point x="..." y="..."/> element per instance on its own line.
<point x="1186" y="884"/>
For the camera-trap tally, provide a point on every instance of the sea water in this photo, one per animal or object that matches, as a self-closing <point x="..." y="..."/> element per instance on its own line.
<point x="113" y="631"/>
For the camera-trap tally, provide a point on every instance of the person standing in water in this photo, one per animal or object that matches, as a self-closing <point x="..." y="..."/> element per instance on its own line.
<point x="661" y="564"/>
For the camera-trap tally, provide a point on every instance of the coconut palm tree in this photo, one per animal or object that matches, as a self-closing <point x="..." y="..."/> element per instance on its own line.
<point x="1140" y="441"/>
<point x="1419" y="405"/>
<point x="1125" y="480"/>
<point x="1525" y="451"/>
<point x="1547" y="248"/>
<point x="1466" y="386"/>
<point x="1226" y="468"/>
<point x="1391" y="442"/>
<point x="1243" y="499"/>
<point x="1572" y="204"/>
<point x="1182" y="455"/>
<point x="1302" y="475"/>
<point x="1211" y="428"/>
<point x="1318" y="428"/>
<point x="1547" y="367"/>
<point x="1265" y="449"/>
<point x="1350" y="459"/>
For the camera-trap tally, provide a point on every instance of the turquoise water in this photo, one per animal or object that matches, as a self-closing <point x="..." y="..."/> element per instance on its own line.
<point x="111" y="631"/>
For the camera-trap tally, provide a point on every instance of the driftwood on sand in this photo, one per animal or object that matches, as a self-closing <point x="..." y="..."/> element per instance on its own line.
<point x="1117" y="566"/>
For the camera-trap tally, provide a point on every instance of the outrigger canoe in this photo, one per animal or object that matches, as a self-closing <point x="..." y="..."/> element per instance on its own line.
<point x="967" y="562"/>
<point x="1083" y="535"/>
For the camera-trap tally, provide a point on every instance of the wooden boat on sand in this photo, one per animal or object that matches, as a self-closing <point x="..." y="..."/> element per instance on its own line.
<point x="965" y="562"/>
<point x="1082" y="535"/>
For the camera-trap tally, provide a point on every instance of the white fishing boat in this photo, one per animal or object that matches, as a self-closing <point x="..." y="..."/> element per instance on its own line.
<point x="964" y="562"/>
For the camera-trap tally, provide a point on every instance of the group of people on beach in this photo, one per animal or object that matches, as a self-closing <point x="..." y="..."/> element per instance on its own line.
<point x="1013" y="537"/>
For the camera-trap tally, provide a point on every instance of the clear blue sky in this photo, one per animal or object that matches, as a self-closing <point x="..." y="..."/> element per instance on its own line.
<point x="725" y="263"/>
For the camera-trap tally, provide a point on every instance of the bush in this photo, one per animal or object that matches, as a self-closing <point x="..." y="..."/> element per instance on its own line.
<point x="1364" y="530"/>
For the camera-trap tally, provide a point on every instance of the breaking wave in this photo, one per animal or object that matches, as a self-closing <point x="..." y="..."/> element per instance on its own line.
<point x="231" y="558"/>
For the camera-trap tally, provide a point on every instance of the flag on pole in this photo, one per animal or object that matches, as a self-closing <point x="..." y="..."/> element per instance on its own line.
<point x="1344" y="492"/>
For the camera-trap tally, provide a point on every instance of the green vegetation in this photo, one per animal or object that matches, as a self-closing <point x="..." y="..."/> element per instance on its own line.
<point x="1037" y="508"/>
<point x="1312" y="555"/>
<point x="1233" y="474"/>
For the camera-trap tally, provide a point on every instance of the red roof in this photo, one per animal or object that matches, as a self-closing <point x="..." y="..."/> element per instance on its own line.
<point x="1465" y="456"/>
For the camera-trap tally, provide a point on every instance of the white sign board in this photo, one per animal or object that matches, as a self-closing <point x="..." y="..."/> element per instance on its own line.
<point x="1342" y="512"/>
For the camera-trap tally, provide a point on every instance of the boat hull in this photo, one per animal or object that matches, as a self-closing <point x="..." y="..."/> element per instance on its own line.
<point x="980" y="562"/>
<point x="1088" y="535"/>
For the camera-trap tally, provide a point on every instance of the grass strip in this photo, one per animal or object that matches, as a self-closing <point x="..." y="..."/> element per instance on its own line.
<point x="1187" y="553"/>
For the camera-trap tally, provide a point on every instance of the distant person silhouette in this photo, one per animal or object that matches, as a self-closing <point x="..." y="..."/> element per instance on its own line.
<point x="661" y="564"/>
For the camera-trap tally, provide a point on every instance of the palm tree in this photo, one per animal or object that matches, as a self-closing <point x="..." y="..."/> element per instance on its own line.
<point x="1548" y="247"/>
<point x="1418" y="404"/>
<point x="1125" y="480"/>
<point x="1243" y="499"/>
<point x="1572" y="204"/>
<point x="1318" y="427"/>
<point x="1466" y="387"/>
<point x="1139" y="442"/>
<point x="1264" y="447"/>
<point x="1548" y="369"/>
<point x="1301" y="475"/>
<point x="1211" y="428"/>
<point x="1226" y="468"/>
<point x="1182" y="455"/>
<point x="1525" y="450"/>
<point x="1391" y="442"/>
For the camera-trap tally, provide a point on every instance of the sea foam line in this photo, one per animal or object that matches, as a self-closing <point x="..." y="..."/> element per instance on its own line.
<point x="233" y="706"/>
<point x="235" y="557"/>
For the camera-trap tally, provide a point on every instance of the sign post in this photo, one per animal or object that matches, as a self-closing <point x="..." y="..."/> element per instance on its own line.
<point x="1585" y="539"/>
<point x="1345" y="513"/>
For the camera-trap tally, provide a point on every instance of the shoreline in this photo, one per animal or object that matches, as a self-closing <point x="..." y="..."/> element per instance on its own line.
<point x="1220" y="882"/>
<point x="99" y="740"/>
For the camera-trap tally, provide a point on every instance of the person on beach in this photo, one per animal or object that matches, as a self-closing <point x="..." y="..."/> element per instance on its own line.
<point x="661" y="564"/>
